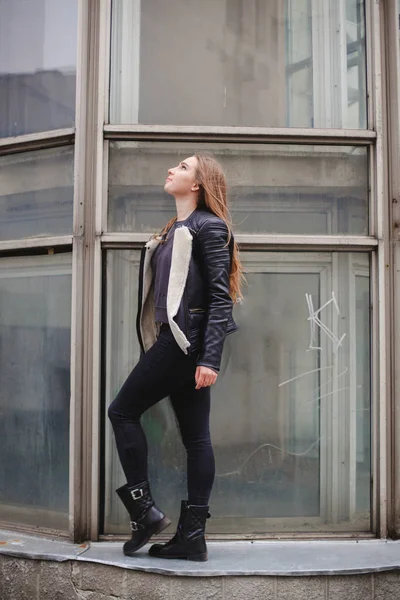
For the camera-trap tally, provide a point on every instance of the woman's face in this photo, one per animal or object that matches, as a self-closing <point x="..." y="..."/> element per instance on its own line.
<point x="182" y="179"/>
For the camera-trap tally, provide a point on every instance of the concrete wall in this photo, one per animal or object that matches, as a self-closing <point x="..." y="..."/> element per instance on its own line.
<point x="24" y="579"/>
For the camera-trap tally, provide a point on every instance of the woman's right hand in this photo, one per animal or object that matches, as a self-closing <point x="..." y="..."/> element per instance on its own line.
<point x="205" y="377"/>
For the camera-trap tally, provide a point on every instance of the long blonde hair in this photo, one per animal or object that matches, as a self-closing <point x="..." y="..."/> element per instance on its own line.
<point x="213" y="197"/>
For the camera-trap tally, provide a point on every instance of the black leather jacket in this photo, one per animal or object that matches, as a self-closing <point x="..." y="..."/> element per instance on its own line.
<point x="205" y="312"/>
<point x="208" y="303"/>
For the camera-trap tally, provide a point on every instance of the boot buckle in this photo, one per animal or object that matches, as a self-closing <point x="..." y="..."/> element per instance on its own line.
<point x="137" y="494"/>
<point x="134" y="526"/>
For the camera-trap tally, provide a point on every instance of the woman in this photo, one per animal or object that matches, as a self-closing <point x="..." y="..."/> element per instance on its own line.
<point x="189" y="279"/>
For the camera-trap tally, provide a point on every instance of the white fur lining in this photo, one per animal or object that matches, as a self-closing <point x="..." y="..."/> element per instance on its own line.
<point x="180" y="261"/>
<point x="181" y="253"/>
<point x="147" y="322"/>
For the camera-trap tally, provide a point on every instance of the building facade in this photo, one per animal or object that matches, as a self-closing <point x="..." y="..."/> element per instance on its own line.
<point x="299" y="100"/>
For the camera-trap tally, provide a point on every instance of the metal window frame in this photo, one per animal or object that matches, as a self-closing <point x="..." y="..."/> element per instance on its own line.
<point x="77" y="323"/>
<point x="249" y="135"/>
<point x="86" y="321"/>
<point x="91" y="136"/>
<point x="348" y="243"/>
<point x="37" y="141"/>
<point x="36" y="242"/>
<point x="381" y="286"/>
<point x="392" y="105"/>
<point x="376" y="243"/>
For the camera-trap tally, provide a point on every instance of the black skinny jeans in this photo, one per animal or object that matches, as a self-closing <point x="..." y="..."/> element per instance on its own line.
<point x="165" y="371"/>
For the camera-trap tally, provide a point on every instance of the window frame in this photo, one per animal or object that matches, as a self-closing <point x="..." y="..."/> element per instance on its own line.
<point x="51" y="244"/>
<point x="90" y="238"/>
<point x="374" y="242"/>
<point x="331" y="267"/>
<point x="392" y="98"/>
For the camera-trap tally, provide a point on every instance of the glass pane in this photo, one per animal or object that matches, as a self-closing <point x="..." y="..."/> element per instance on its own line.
<point x="355" y="92"/>
<point x="36" y="193"/>
<point x="293" y="450"/>
<point x="363" y="399"/>
<point x="294" y="63"/>
<point x="273" y="188"/>
<point x="35" y="330"/>
<point x="37" y="65"/>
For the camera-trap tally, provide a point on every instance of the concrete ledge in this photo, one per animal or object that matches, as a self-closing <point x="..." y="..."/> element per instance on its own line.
<point x="259" y="558"/>
<point x="283" y="559"/>
<point x="27" y="579"/>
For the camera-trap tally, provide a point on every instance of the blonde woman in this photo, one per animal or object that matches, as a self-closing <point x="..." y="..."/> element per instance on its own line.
<point x="189" y="279"/>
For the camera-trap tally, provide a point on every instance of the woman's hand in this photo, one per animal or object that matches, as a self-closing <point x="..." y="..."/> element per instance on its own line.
<point x="205" y="377"/>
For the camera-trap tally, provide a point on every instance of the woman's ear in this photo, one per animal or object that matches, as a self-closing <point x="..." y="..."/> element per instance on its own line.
<point x="195" y="187"/>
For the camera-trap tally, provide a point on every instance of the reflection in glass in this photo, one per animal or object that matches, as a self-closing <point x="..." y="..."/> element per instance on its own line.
<point x="273" y="188"/>
<point x="292" y="63"/>
<point x="36" y="193"/>
<point x="299" y="71"/>
<point x="290" y="411"/>
<point x="37" y="65"/>
<point x="35" y="315"/>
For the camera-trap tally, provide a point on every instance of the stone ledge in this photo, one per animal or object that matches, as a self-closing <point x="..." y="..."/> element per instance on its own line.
<point x="28" y="546"/>
<point x="27" y="579"/>
<point x="242" y="558"/>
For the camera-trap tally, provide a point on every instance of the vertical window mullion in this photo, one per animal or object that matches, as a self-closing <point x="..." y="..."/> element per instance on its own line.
<point x="77" y="306"/>
<point x="392" y="38"/>
<point x="84" y="473"/>
<point x="382" y="306"/>
<point x="99" y="215"/>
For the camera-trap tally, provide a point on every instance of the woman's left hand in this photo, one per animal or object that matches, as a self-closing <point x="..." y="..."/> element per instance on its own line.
<point x="205" y="377"/>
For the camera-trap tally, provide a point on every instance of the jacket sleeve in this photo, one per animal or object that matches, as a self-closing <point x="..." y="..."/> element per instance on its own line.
<point x="212" y="238"/>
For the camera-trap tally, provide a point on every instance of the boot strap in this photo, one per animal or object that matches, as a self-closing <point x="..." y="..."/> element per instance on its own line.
<point x="135" y="526"/>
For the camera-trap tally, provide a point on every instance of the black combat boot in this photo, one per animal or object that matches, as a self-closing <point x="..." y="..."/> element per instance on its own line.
<point x="188" y="542"/>
<point x="146" y="518"/>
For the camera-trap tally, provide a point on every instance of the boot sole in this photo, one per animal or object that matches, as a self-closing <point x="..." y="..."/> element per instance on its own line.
<point x="157" y="528"/>
<point x="203" y="557"/>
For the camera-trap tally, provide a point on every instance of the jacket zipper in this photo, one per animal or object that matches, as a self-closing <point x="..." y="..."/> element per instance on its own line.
<point x="140" y="299"/>
<point x="185" y="306"/>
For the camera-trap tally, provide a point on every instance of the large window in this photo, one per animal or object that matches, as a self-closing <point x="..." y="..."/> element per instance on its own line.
<point x="273" y="188"/>
<point x="278" y="92"/>
<point x="37" y="65"/>
<point x="35" y="332"/>
<point x="36" y="193"/>
<point x="38" y="42"/>
<point x="295" y="63"/>
<point x="291" y="411"/>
